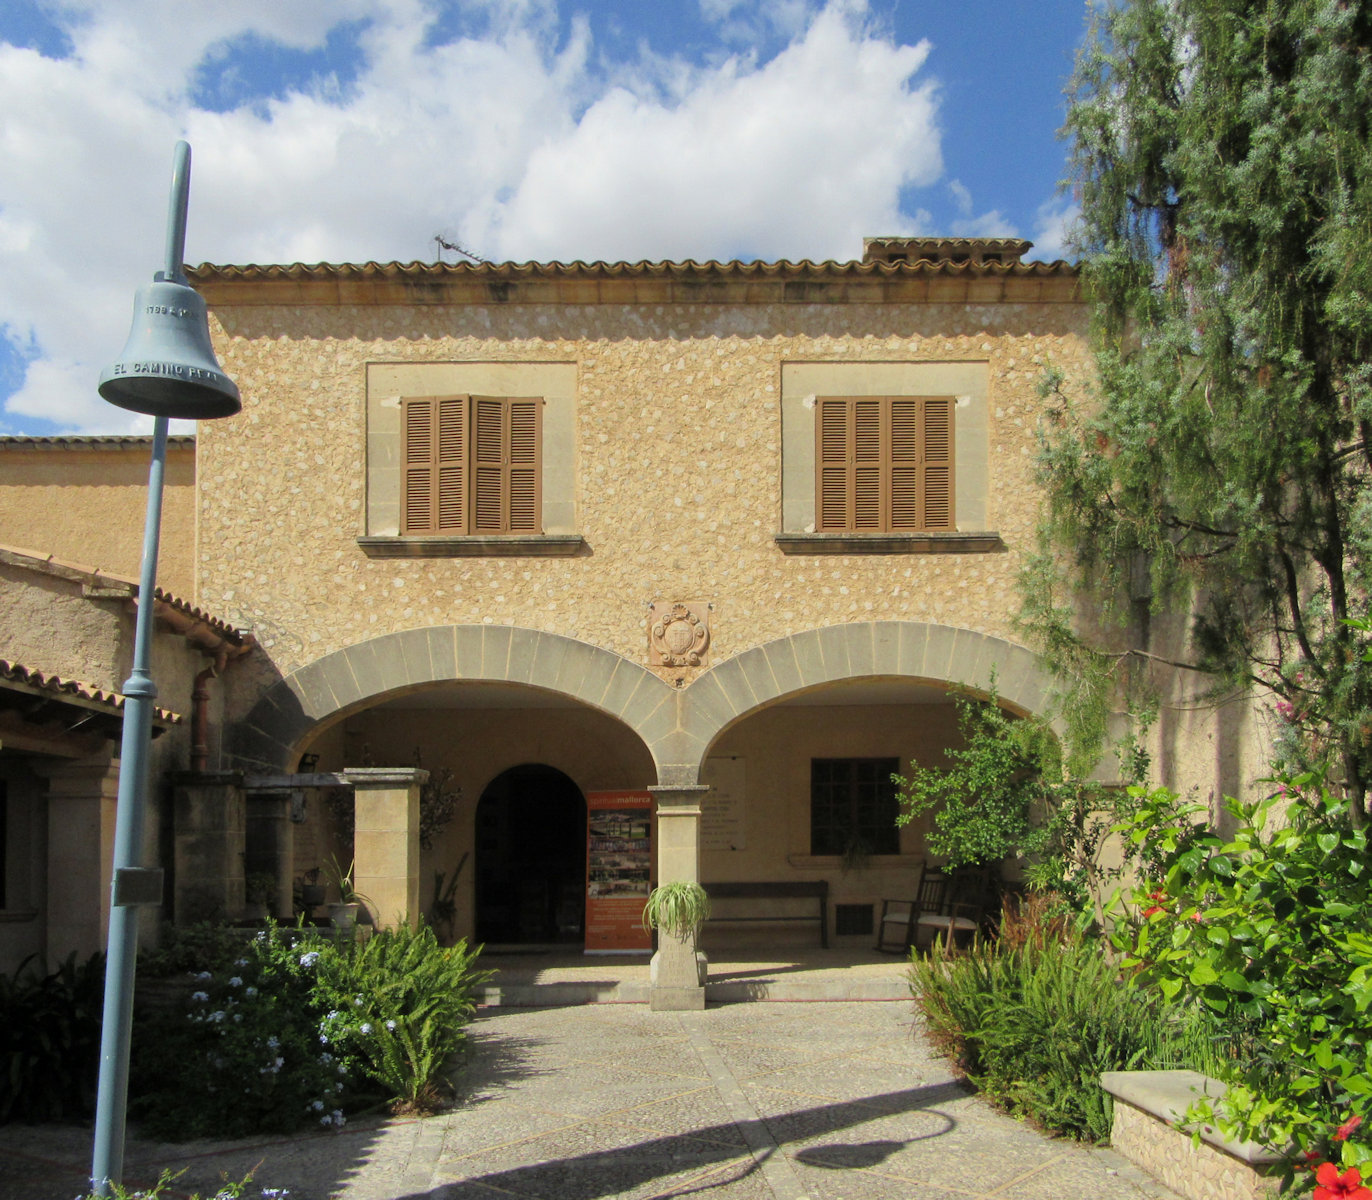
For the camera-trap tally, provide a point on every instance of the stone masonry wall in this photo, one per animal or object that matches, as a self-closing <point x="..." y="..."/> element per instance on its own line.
<point x="677" y="468"/>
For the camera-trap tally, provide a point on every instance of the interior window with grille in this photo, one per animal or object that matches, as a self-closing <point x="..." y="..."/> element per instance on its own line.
<point x="853" y="806"/>
<point x="472" y="464"/>
<point x="884" y="464"/>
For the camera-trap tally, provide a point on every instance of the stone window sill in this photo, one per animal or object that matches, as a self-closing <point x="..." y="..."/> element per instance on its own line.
<point x="543" y="545"/>
<point x="889" y="543"/>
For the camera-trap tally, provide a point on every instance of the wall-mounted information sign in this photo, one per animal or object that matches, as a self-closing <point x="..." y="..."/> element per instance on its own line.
<point x="619" y="863"/>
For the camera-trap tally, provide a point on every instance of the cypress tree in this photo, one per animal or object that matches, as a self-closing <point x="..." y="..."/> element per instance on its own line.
<point x="1222" y="162"/>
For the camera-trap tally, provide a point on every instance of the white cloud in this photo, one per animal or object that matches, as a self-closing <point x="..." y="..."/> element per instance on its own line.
<point x="520" y="142"/>
<point x="1053" y="229"/>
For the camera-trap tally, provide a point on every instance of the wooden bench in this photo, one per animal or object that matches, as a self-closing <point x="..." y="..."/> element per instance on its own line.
<point x="781" y="889"/>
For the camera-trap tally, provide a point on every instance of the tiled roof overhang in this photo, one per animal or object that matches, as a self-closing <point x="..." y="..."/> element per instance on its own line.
<point x="78" y="442"/>
<point x="46" y="714"/>
<point x="192" y="622"/>
<point x="919" y="282"/>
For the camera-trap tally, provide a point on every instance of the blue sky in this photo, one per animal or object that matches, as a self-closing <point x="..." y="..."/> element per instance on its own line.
<point x="351" y="130"/>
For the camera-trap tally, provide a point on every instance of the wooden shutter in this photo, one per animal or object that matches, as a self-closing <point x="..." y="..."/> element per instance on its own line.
<point x="433" y="487"/>
<point x="506" y="465"/>
<point x="938" y="463"/>
<point x="883" y="463"/>
<point x="833" y="460"/>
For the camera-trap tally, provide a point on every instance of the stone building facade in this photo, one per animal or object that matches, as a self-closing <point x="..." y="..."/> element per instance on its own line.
<point x="680" y="616"/>
<point x="728" y="534"/>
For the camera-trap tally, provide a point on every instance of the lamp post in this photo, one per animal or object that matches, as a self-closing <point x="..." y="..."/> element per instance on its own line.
<point x="168" y="369"/>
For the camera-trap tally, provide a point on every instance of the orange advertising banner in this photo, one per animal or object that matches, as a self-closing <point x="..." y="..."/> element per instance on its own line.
<point x="619" y="863"/>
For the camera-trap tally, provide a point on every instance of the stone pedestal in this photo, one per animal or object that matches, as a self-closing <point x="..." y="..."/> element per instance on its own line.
<point x="208" y="813"/>
<point x="386" y="841"/>
<point x="82" y="799"/>
<point x="677" y="977"/>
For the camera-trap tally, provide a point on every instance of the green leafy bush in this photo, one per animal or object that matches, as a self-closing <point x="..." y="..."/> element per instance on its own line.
<point x="50" y="1040"/>
<point x="1034" y="1018"/>
<point x="203" y="946"/>
<point x="397" y="1004"/>
<point x="1008" y="791"/>
<point x="1270" y="929"/>
<point x="245" y="1055"/>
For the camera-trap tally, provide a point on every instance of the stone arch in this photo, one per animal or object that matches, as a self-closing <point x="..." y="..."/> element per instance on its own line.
<point x="914" y="650"/>
<point x="269" y="737"/>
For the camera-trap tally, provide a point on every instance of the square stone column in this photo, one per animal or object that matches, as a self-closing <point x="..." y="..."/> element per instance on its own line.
<point x="82" y="798"/>
<point x="677" y="973"/>
<point x="209" y="823"/>
<point x="386" y="841"/>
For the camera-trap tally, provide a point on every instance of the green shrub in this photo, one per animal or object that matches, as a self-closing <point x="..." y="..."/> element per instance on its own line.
<point x="1034" y="1018"/>
<point x="203" y="946"/>
<point x="245" y="1055"/>
<point x="397" y="1003"/>
<point x="50" y="1040"/>
<point x="1269" y="929"/>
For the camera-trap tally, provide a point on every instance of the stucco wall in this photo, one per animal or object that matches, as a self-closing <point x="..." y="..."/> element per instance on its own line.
<point x="677" y="467"/>
<point x="85" y="502"/>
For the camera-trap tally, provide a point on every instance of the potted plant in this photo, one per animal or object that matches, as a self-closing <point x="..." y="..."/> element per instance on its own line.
<point x="677" y="910"/>
<point x="259" y="890"/>
<point x="312" y="892"/>
<point x="346" y="911"/>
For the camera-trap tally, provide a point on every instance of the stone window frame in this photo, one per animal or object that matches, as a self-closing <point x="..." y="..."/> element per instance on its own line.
<point x="388" y="383"/>
<point x="803" y="382"/>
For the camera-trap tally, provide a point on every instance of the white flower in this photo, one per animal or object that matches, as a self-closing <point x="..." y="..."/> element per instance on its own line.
<point x="240" y="962"/>
<point x="217" y="1016"/>
<point x="250" y="991"/>
<point x="358" y="1002"/>
<point x="204" y="977"/>
<point x="366" y="1027"/>
<point x="309" y="958"/>
<point x="318" y="1106"/>
<point x="326" y="1057"/>
<point x="390" y="1025"/>
<point x="200" y="997"/>
<point x="236" y="981"/>
<point x="273" y="1042"/>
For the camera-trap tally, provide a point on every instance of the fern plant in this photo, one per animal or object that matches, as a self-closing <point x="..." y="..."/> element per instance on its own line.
<point x="399" y="1002"/>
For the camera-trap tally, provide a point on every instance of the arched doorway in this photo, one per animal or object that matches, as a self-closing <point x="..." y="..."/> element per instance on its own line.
<point x="531" y="858"/>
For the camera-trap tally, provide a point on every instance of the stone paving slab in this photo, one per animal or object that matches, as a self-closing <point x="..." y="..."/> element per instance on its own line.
<point x="771" y="1101"/>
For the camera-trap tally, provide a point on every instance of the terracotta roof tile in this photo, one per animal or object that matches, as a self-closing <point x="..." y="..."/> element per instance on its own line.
<point x="39" y="681"/>
<point x="84" y="442"/>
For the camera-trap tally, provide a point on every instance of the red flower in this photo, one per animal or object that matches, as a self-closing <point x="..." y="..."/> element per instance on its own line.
<point x="1346" y="1128"/>
<point x="1157" y="908"/>
<point x="1330" y="1185"/>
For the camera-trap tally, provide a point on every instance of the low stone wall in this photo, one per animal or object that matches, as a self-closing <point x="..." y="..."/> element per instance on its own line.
<point x="1148" y="1108"/>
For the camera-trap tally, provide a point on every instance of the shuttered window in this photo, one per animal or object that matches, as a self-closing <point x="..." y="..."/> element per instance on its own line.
<point x="884" y="464"/>
<point x="472" y="465"/>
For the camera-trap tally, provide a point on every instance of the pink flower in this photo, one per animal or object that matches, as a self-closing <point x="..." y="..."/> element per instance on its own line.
<point x="1341" y="1134"/>
<point x="1330" y="1185"/>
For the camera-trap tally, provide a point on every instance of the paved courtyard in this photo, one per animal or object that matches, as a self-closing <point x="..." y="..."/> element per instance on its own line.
<point x="830" y="1101"/>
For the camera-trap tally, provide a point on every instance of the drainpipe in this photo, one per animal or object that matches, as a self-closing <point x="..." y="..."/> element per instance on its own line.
<point x="221" y="651"/>
<point x="200" y="716"/>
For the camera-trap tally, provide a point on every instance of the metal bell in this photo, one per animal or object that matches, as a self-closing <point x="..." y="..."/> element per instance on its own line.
<point x="168" y="367"/>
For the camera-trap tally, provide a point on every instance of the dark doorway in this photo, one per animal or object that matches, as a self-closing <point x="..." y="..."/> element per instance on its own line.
<point x="531" y="858"/>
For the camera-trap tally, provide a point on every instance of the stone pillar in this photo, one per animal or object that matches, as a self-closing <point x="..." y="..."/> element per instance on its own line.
<point x="82" y="799"/>
<point x="678" y="972"/>
<point x="269" y="844"/>
<point x="386" y="841"/>
<point x="208" y="824"/>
